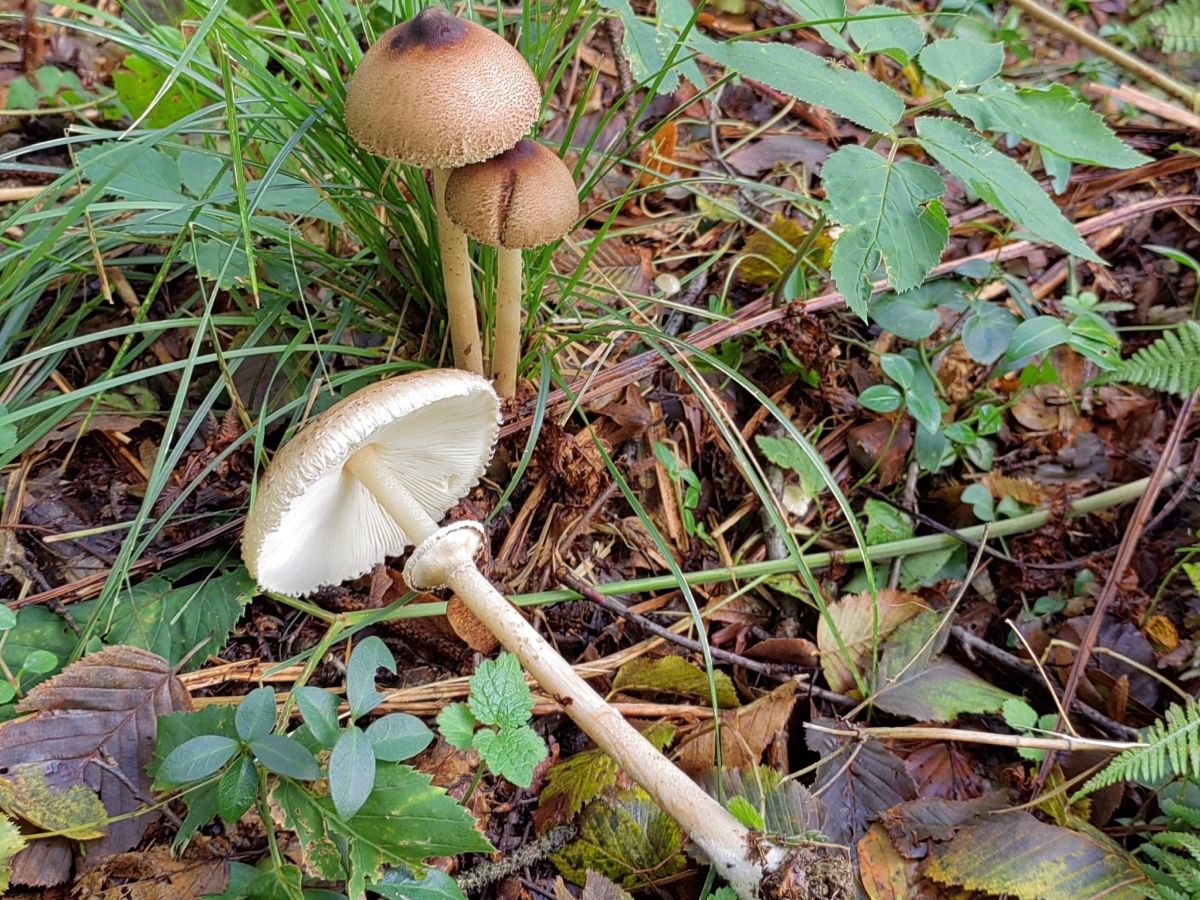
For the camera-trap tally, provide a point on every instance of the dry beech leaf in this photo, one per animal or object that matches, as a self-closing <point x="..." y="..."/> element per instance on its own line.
<point x="885" y="874"/>
<point x="95" y="725"/>
<point x="745" y="733"/>
<point x="1020" y="489"/>
<point x="657" y="155"/>
<point x="470" y="630"/>
<point x="792" y="651"/>
<point x="855" y="619"/>
<point x="154" y="875"/>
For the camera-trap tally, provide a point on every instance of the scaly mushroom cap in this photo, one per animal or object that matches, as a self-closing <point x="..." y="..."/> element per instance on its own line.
<point x="525" y="197"/>
<point x="439" y="91"/>
<point x="315" y="524"/>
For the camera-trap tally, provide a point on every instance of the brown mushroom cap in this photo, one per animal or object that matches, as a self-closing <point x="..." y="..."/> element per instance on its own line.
<point x="439" y="91"/>
<point x="525" y="197"/>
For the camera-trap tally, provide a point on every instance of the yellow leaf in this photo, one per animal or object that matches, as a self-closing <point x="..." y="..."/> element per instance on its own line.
<point x="73" y="811"/>
<point x="860" y="624"/>
<point x="767" y="259"/>
<point x="676" y="676"/>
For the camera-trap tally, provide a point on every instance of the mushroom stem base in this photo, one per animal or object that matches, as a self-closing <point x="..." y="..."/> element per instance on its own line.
<point x="456" y="275"/>
<point x="741" y="857"/>
<point x="506" y="341"/>
<point x="390" y="492"/>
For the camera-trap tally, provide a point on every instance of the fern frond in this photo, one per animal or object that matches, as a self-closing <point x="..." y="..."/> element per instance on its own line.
<point x="1187" y="815"/>
<point x="1174" y="28"/>
<point x="1171" y="859"/>
<point x="1174" y="740"/>
<point x="1171" y="364"/>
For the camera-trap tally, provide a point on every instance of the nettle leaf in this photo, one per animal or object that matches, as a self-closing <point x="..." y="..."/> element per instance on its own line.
<point x="368" y="657"/>
<point x="806" y="76"/>
<point x="1053" y="118"/>
<point x="511" y="753"/>
<point x="499" y="695"/>
<point x="891" y="214"/>
<point x="826" y="11"/>
<point x="1001" y="183"/>
<point x="457" y="725"/>
<point x="351" y="772"/>
<point x="962" y="62"/>
<point x="642" y="46"/>
<point x="878" y="29"/>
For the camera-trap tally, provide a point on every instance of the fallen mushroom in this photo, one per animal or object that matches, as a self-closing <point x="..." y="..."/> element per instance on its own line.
<point x="372" y="475"/>
<point x="441" y="92"/>
<point x="523" y="198"/>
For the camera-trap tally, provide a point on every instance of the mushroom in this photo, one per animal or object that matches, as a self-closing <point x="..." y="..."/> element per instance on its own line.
<point x="441" y="92"/>
<point x="523" y="198"/>
<point x="373" y="474"/>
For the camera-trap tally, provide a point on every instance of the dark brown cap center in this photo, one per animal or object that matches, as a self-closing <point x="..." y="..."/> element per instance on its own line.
<point x="430" y="29"/>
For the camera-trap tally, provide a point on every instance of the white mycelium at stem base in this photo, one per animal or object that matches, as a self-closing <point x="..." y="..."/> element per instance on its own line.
<point x="378" y="470"/>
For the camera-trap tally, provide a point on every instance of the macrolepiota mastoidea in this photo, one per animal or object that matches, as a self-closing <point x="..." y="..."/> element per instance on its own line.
<point x="441" y="92"/>
<point x="521" y="199"/>
<point x="374" y="474"/>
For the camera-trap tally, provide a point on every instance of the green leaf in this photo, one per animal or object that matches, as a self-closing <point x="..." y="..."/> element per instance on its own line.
<point x="878" y="29"/>
<point x="178" y="728"/>
<point x="197" y="758"/>
<point x="745" y="812"/>
<point x="807" y="77"/>
<point x="11" y="843"/>
<point x="987" y="331"/>
<point x="172" y="621"/>
<point x="351" y="772"/>
<point x="788" y="454"/>
<point x="962" y="62"/>
<point x="401" y="885"/>
<point x="320" y="711"/>
<point x="677" y="677"/>
<point x="37" y="629"/>
<point x="1000" y="182"/>
<point x="1052" y="118"/>
<point x="405" y="821"/>
<point x="255" y="715"/>
<point x="628" y="840"/>
<point x="398" y="736"/>
<point x="133" y="172"/>
<point x="641" y="45"/>
<point x="829" y="11"/>
<point x="236" y="790"/>
<point x="511" y="753"/>
<point x="891" y="214"/>
<point x="370" y="655"/>
<point x="885" y="523"/>
<point x="881" y="398"/>
<point x="897" y="368"/>
<point x="499" y="695"/>
<point x="285" y="756"/>
<point x="457" y="725"/>
<point x="137" y="83"/>
<point x="1035" y="336"/>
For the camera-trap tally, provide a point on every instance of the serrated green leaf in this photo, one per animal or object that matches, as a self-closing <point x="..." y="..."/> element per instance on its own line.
<point x="629" y="840"/>
<point x="351" y="771"/>
<point x="885" y="523"/>
<point x="236" y="790"/>
<point x="398" y="737"/>
<point x="255" y="716"/>
<point x="807" y="77"/>
<point x="197" y="758"/>
<point x="745" y="812"/>
<point x="11" y="843"/>
<point x="787" y="454"/>
<point x="878" y="29"/>
<point x="405" y="821"/>
<point x="511" y="753"/>
<point x="285" y="756"/>
<point x="132" y="171"/>
<point x="1051" y="117"/>
<point x="499" y="695"/>
<point x="962" y="62"/>
<point x="137" y="83"/>
<point x="457" y="725"/>
<point x="827" y="11"/>
<point x="320" y="711"/>
<point x="891" y="215"/>
<point x="369" y="656"/>
<point x="675" y="676"/>
<point x="399" y="884"/>
<point x="1001" y="183"/>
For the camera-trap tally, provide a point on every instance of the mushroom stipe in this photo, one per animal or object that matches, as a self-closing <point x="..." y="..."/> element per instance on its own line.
<point x="390" y="460"/>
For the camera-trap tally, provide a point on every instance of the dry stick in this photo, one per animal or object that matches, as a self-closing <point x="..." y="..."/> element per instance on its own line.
<point x="964" y="736"/>
<point x="1127" y="61"/>
<point x="1133" y="533"/>
<point x="759" y="312"/>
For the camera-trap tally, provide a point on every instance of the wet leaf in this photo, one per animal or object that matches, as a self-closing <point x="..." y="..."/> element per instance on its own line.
<point x="674" y="676"/>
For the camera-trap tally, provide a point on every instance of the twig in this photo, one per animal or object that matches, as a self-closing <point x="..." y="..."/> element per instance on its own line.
<point x="1096" y="44"/>
<point x="1133" y="533"/>
<point x="963" y="736"/>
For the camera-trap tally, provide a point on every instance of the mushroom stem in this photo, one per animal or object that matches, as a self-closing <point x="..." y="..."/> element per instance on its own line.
<point x="506" y="341"/>
<point x="392" y="495"/>
<point x="740" y="857"/>
<point x="456" y="275"/>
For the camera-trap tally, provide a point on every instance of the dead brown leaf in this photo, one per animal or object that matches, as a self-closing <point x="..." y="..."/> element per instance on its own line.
<point x="745" y="733"/>
<point x="860" y="623"/>
<point x="153" y="875"/>
<point x="885" y="874"/>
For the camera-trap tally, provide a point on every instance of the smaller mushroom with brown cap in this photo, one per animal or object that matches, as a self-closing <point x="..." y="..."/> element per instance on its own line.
<point x="523" y="198"/>
<point x="373" y="474"/>
<point x="441" y="92"/>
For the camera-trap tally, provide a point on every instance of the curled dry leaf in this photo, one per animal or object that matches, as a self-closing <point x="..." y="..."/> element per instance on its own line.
<point x="95" y="726"/>
<point x="745" y="733"/>
<point x="861" y="624"/>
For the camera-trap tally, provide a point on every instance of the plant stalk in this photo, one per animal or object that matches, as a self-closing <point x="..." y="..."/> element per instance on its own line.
<point x="506" y="341"/>
<point x="456" y="275"/>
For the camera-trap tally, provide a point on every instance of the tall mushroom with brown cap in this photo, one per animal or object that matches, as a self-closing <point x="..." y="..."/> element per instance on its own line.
<point x="373" y="474"/>
<point x="441" y="92"/>
<point x="523" y="198"/>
